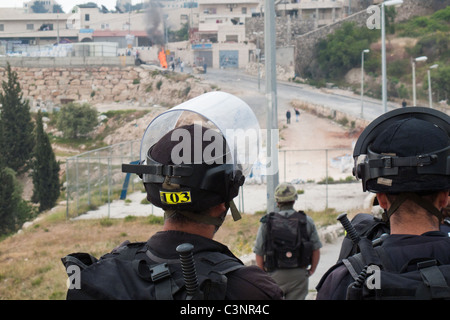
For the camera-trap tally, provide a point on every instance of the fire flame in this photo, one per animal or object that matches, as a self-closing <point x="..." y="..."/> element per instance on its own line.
<point x="162" y="58"/>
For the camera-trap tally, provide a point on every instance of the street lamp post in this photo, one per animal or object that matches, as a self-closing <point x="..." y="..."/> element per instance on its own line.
<point x="423" y="58"/>
<point x="258" y="58"/>
<point x="271" y="102"/>
<point x="362" y="80"/>
<point x="383" y="50"/>
<point x="430" y="97"/>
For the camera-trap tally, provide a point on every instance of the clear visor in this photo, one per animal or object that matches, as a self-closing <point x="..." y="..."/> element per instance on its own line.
<point x="216" y="111"/>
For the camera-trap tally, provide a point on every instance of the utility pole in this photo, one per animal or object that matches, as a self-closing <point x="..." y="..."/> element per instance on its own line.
<point x="57" y="29"/>
<point x="271" y="103"/>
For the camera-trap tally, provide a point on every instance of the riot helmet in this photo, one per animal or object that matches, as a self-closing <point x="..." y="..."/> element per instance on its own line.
<point x="405" y="151"/>
<point x="197" y="154"/>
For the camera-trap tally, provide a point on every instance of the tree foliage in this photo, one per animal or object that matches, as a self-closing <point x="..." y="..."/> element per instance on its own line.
<point x="38" y="7"/>
<point x="76" y="120"/>
<point x="45" y="170"/>
<point x="341" y="51"/>
<point x="16" y="141"/>
<point x="441" y="81"/>
<point x="14" y="211"/>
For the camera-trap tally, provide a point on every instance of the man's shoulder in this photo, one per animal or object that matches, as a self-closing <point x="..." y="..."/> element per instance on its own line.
<point x="251" y="282"/>
<point x="334" y="283"/>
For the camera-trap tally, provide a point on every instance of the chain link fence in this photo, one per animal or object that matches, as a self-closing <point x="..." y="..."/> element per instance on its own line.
<point x="95" y="178"/>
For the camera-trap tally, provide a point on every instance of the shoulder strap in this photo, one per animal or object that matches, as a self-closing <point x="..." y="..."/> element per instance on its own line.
<point x="303" y="222"/>
<point x="434" y="279"/>
<point x="81" y="259"/>
<point x="368" y="255"/>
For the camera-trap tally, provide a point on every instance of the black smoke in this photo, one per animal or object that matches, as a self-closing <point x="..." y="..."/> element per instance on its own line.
<point x="155" y="23"/>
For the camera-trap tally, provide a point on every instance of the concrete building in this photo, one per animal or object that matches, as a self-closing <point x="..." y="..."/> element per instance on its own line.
<point x="220" y="39"/>
<point x="34" y="29"/>
<point x="323" y="12"/>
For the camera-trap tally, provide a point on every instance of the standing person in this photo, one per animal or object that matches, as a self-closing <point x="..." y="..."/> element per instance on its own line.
<point x="403" y="104"/>
<point x="288" y="117"/>
<point x="297" y="114"/>
<point x="195" y="185"/>
<point x="406" y="166"/>
<point x="182" y="66"/>
<point x="288" y="245"/>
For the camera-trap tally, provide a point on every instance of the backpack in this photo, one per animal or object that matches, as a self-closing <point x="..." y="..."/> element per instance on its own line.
<point x="376" y="279"/>
<point x="287" y="241"/>
<point x="143" y="276"/>
<point x="366" y="225"/>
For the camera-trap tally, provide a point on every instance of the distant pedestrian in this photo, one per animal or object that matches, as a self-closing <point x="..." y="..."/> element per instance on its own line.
<point x="181" y="66"/>
<point x="288" y="117"/>
<point x="403" y="104"/>
<point x="297" y="114"/>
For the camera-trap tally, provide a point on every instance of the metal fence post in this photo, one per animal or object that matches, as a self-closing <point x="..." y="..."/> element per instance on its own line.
<point x="67" y="188"/>
<point x="326" y="178"/>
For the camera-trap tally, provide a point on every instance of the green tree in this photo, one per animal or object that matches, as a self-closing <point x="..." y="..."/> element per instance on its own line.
<point x="75" y="119"/>
<point x="341" y="51"/>
<point x="441" y="81"/>
<point x="14" y="211"/>
<point x="57" y="8"/>
<point x="45" y="170"/>
<point x="17" y="139"/>
<point x="38" y="7"/>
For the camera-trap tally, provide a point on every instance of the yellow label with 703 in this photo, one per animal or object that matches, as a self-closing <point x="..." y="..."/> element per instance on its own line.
<point x="175" y="197"/>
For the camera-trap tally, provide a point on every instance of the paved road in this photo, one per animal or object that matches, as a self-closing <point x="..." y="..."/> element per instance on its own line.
<point x="329" y="254"/>
<point x="246" y="87"/>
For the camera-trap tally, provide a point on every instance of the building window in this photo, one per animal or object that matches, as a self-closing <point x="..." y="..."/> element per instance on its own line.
<point x="86" y="17"/>
<point x="231" y="38"/>
<point x="30" y="26"/>
<point x="244" y="10"/>
<point x="2" y="27"/>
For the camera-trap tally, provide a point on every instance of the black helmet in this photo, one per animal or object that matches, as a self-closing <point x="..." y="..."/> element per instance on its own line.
<point x="407" y="150"/>
<point x="187" y="161"/>
<point x="190" y="186"/>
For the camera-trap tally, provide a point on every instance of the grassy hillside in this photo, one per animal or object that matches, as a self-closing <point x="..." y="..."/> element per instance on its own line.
<point x="339" y="58"/>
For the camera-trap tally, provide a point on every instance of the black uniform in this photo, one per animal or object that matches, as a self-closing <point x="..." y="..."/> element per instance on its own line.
<point x="445" y="226"/>
<point x="400" y="249"/>
<point x="113" y="278"/>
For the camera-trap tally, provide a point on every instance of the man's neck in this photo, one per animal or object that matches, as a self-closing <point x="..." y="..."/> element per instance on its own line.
<point x="203" y="230"/>
<point x="415" y="225"/>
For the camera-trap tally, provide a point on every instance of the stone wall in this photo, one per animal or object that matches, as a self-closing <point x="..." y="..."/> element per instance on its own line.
<point x="48" y="87"/>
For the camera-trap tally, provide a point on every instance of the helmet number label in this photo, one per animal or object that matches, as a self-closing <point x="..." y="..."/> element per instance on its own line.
<point x="175" y="197"/>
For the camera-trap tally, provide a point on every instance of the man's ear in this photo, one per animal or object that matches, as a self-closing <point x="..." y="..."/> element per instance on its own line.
<point x="218" y="210"/>
<point x="383" y="200"/>
<point x="442" y="199"/>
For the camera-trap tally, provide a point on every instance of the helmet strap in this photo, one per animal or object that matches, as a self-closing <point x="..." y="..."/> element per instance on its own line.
<point x="427" y="205"/>
<point x="234" y="211"/>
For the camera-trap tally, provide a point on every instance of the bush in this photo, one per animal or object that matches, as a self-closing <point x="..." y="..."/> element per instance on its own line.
<point x="341" y="51"/>
<point x="76" y="120"/>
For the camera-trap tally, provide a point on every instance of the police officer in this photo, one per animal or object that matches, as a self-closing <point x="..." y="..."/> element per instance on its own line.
<point x="406" y="165"/>
<point x="288" y="245"/>
<point x="189" y="170"/>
